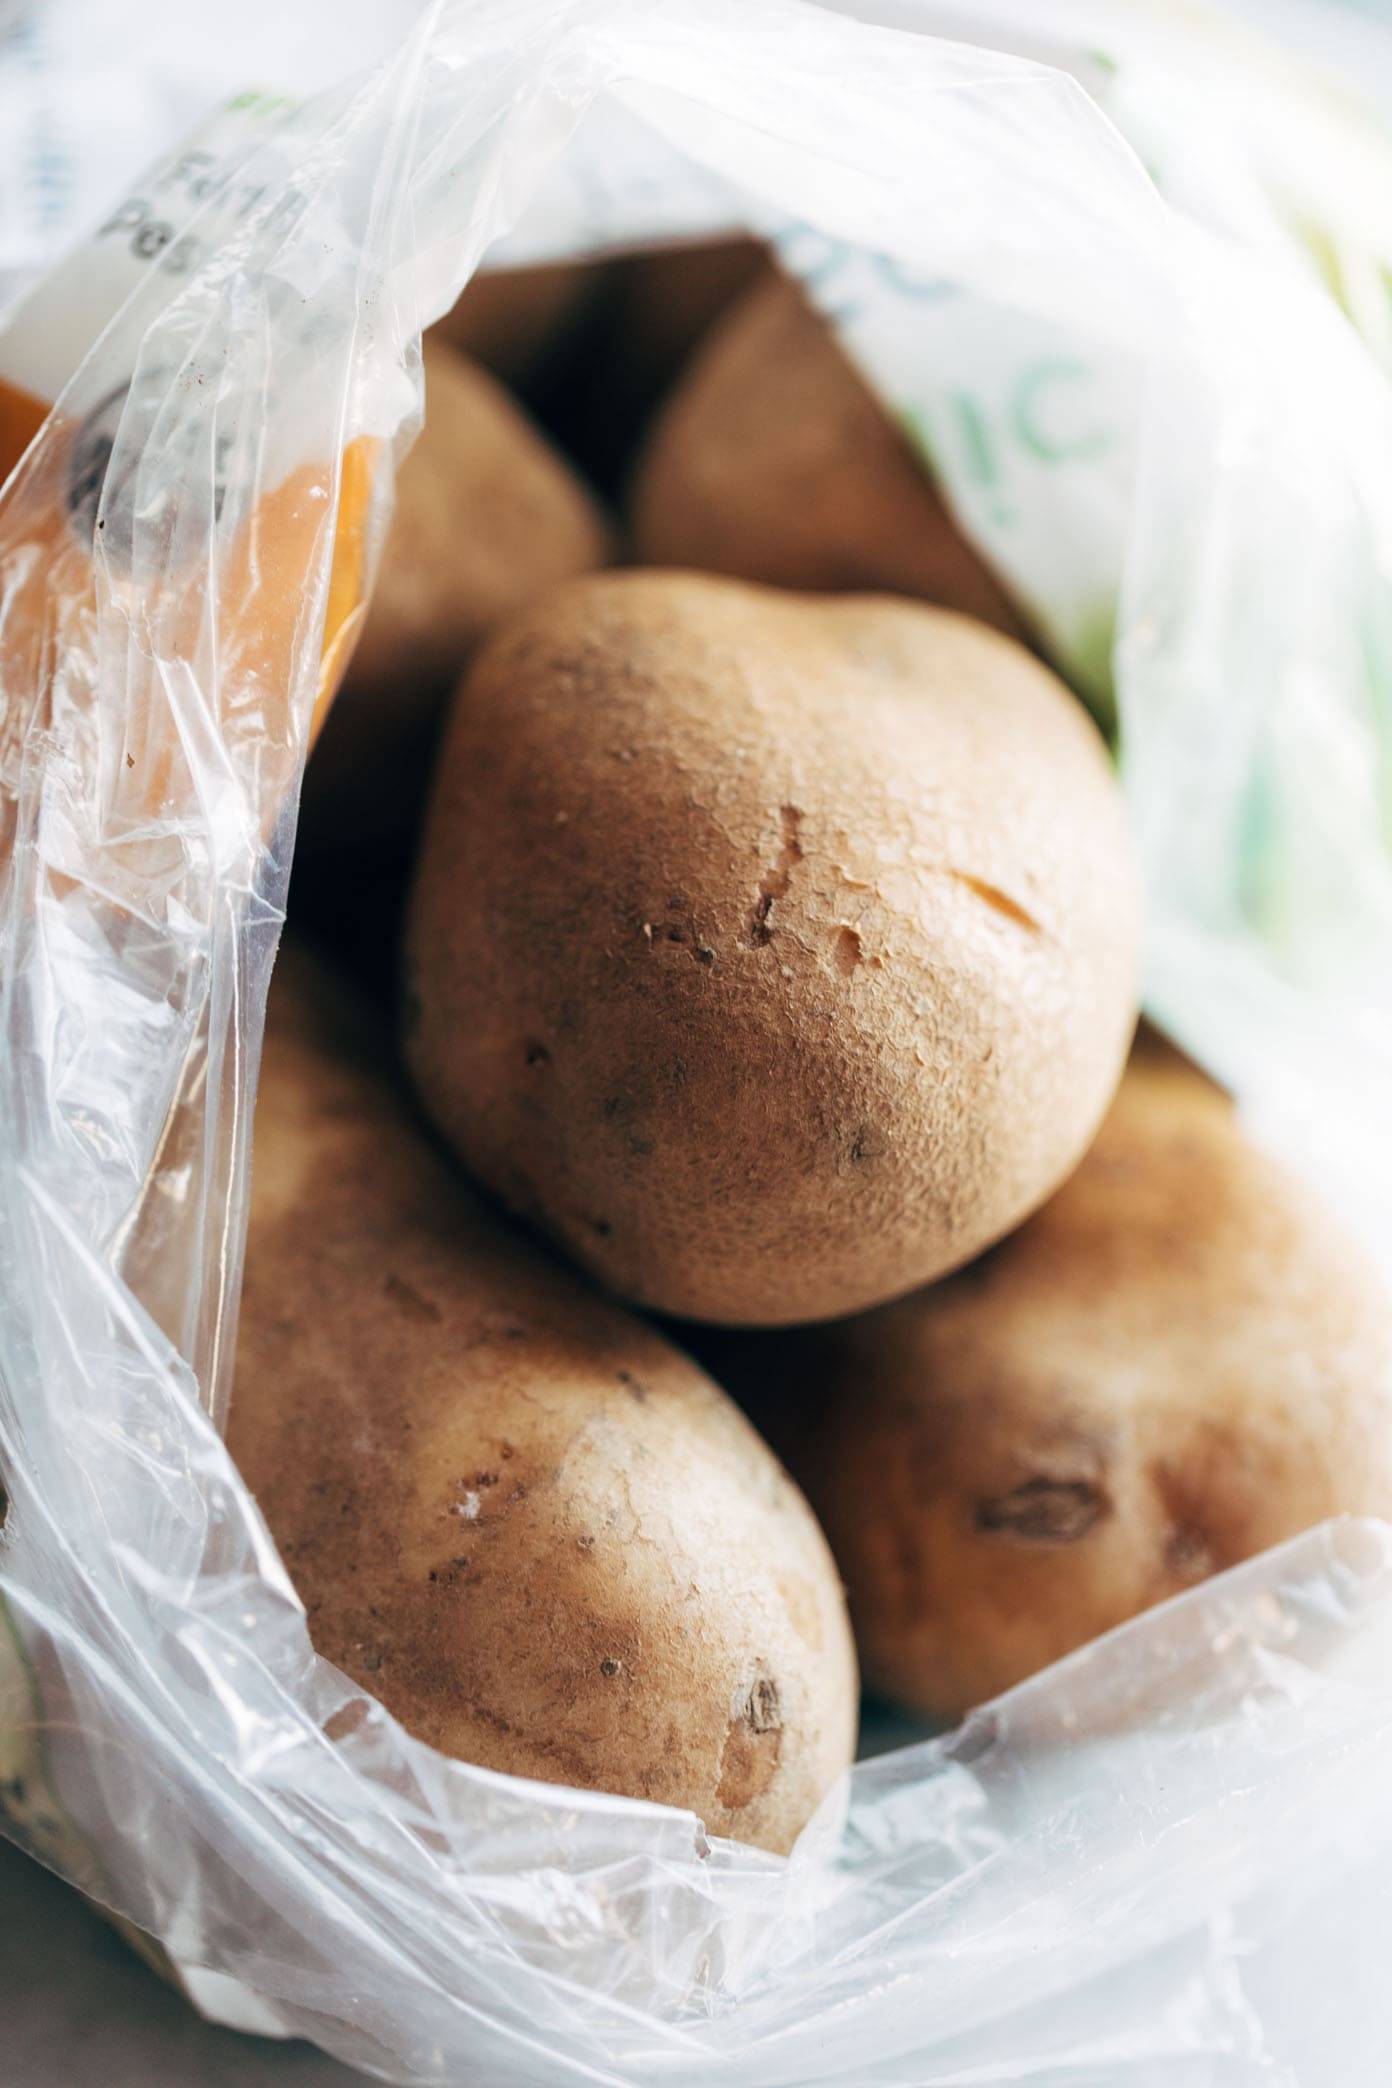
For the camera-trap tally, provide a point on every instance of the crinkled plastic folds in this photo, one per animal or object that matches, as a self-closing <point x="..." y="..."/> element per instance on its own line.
<point x="1160" y="1862"/>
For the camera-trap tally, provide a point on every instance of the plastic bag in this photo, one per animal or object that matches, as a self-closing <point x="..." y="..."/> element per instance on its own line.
<point x="1160" y="1862"/>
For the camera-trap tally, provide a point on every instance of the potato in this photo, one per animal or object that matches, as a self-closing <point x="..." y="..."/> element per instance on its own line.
<point x="773" y="953"/>
<point x="774" y="461"/>
<point x="487" y="515"/>
<point x="1178" y="1362"/>
<point x="521" y="1519"/>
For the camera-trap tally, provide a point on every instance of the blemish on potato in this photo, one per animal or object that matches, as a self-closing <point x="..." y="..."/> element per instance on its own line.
<point x="774" y="884"/>
<point x="498" y="1326"/>
<point x="753" y="1744"/>
<point x="1188" y="1553"/>
<point x="867" y="1144"/>
<point x="765" y="1714"/>
<point x="1045" y="1511"/>
<point x="411" y="1303"/>
<point x="1000" y="902"/>
<point x="846" y="951"/>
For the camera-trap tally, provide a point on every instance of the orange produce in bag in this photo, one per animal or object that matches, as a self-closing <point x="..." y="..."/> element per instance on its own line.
<point x="227" y="530"/>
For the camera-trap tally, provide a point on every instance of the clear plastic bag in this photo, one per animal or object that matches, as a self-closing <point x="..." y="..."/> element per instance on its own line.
<point x="1159" y="1862"/>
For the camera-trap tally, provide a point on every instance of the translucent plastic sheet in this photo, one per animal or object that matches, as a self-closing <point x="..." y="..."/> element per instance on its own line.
<point x="1160" y="1863"/>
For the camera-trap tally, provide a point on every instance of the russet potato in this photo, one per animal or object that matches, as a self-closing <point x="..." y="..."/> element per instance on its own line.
<point x="773" y="460"/>
<point x="1180" y="1361"/>
<point x="519" y="1517"/>
<point x="487" y="516"/>
<point x="773" y="953"/>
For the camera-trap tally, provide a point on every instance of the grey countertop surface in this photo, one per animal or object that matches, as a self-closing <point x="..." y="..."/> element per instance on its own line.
<point x="77" y="2005"/>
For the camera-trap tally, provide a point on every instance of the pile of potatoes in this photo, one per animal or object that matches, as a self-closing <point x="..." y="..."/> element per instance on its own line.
<point x="766" y="983"/>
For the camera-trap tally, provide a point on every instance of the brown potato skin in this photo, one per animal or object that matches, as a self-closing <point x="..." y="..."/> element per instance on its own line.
<point x="487" y="515"/>
<point x="530" y="1526"/>
<point x="1180" y="1361"/>
<point x="774" y="954"/>
<point x="774" y="461"/>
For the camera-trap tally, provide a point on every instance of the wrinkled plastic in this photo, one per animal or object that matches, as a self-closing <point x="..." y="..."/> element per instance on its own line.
<point x="1162" y="1861"/>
